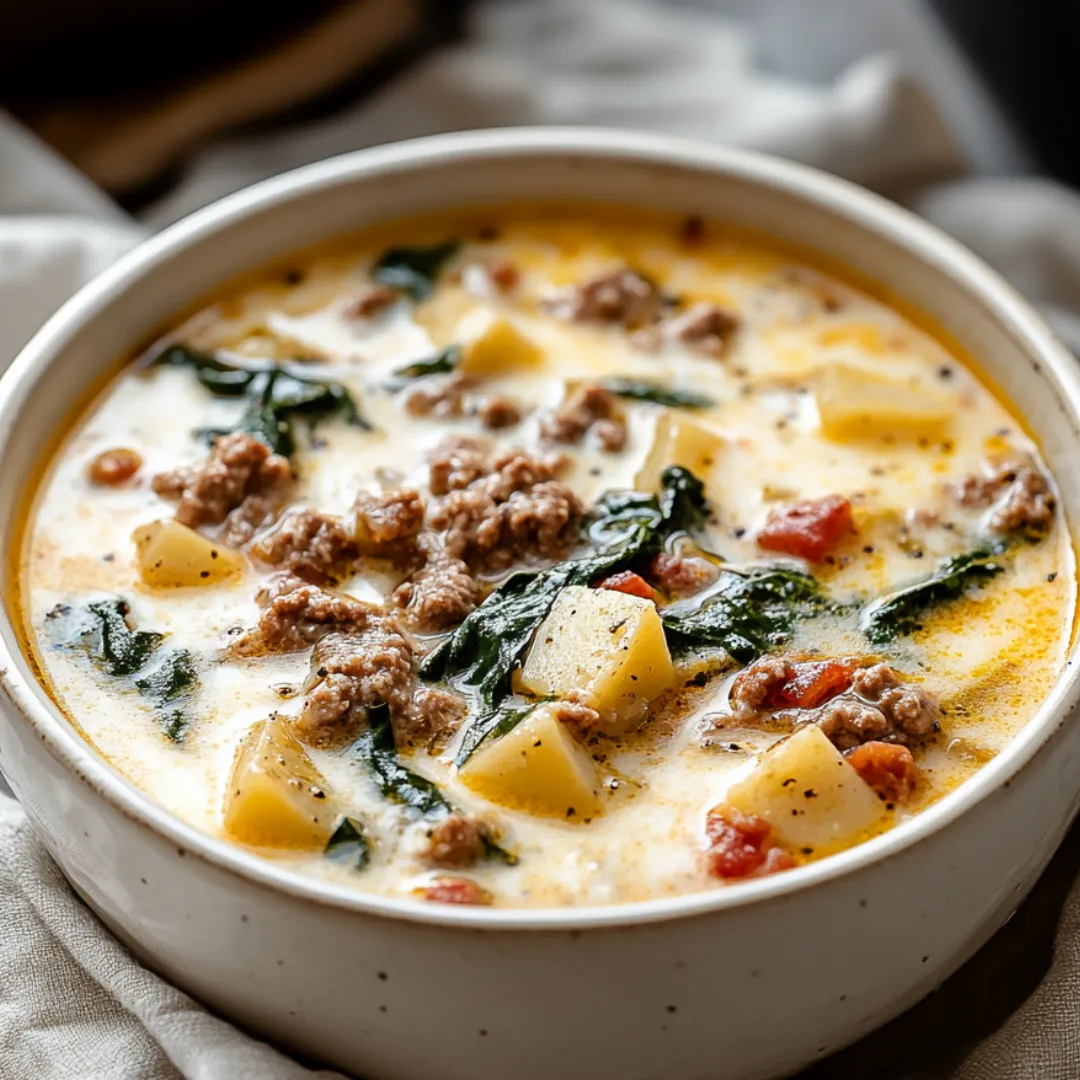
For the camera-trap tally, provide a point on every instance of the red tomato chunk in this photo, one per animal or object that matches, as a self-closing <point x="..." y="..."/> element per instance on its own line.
<point x="812" y="683"/>
<point x="889" y="769"/>
<point x="741" y="845"/>
<point x="626" y="581"/>
<point x="455" y="890"/>
<point x="807" y="530"/>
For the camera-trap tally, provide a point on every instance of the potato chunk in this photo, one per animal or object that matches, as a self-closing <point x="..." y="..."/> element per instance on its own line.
<point x="855" y="403"/>
<point x="276" y="796"/>
<point x="680" y="440"/>
<point x="809" y="794"/>
<point x="171" y="555"/>
<point x="608" y="647"/>
<point x="492" y="345"/>
<point x="539" y="767"/>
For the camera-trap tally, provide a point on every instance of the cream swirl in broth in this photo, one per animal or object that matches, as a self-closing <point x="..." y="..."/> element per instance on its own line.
<point x="552" y="559"/>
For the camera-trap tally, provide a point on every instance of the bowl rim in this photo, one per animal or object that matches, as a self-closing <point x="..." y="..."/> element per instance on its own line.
<point x="811" y="186"/>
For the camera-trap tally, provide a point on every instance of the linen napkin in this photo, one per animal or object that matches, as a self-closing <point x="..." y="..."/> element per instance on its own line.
<point x="867" y="88"/>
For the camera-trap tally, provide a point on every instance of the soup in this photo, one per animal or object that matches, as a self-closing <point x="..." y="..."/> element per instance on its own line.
<point x="554" y="559"/>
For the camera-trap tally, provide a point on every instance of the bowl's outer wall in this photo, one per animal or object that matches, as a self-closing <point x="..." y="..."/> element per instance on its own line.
<point x="744" y="992"/>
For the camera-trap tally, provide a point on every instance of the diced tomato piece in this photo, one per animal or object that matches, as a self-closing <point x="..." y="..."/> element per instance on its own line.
<point x="779" y="683"/>
<point x="741" y="845"/>
<point x="807" y="530"/>
<point x="813" y="682"/>
<point x="888" y="768"/>
<point x="455" y="890"/>
<point x="626" y="581"/>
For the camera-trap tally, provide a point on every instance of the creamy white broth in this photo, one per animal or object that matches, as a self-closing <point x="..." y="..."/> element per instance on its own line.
<point x="990" y="657"/>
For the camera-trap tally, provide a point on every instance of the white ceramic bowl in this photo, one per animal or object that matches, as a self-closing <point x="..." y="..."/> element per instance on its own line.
<point x="749" y="981"/>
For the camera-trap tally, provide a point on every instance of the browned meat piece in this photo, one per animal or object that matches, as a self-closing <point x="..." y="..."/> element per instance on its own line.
<point x="439" y="595"/>
<point x="498" y="411"/>
<point x="620" y="297"/>
<point x="240" y="468"/>
<point x="883" y="709"/>
<point x="352" y="672"/>
<point x="113" y="467"/>
<point x="706" y="327"/>
<point x="485" y="533"/>
<point x="314" y="546"/>
<point x="387" y="524"/>
<point x="456" y="842"/>
<point x="1029" y="505"/>
<point x="502" y="508"/>
<point x="576" y="716"/>
<point x="912" y="711"/>
<point x="503" y="274"/>
<point x="758" y="684"/>
<point x="371" y="302"/>
<point x="441" y="398"/>
<point x="852" y="705"/>
<point x="435" y="715"/>
<point x="1021" y="491"/>
<point x="682" y="575"/>
<point x="588" y="409"/>
<point x="849" y="722"/>
<point x="457" y="462"/>
<point x="297" y="614"/>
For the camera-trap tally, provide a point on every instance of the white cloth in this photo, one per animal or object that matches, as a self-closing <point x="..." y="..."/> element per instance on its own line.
<point x="871" y="89"/>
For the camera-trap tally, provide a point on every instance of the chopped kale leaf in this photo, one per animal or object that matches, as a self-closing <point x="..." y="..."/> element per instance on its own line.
<point x="640" y="390"/>
<point x="900" y="613"/>
<point x="441" y="364"/>
<point x="414" y="270"/>
<point x="275" y="398"/>
<point x="349" y="845"/>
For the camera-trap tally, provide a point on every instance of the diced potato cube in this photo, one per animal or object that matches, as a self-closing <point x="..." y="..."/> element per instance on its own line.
<point x="539" y="767"/>
<point x="855" y="403"/>
<point x="171" y="555"/>
<point x="276" y="796"/>
<point x="680" y="440"/>
<point x="492" y="345"/>
<point x="809" y="794"/>
<point x="607" y="647"/>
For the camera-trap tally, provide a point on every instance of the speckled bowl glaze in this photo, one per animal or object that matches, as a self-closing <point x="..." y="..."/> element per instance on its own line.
<point x="749" y="981"/>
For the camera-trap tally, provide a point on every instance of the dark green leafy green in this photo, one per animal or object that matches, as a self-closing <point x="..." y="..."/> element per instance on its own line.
<point x="110" y="641"/>
<point x="377" y="748"/>
<point x="167" y="678"/>
<point x="750" y="611"/>
<point x="895" y="615"/>
<point x="440" y="364"/>
<point x="640" y="390"/>
<point x="483" y="652"/>
<point x="275" y="398"/>
<point x="174" y="679"/>
<point x="349" y="845"/>
<point x="495" y="724"/>
<point x="414" y="270"/>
